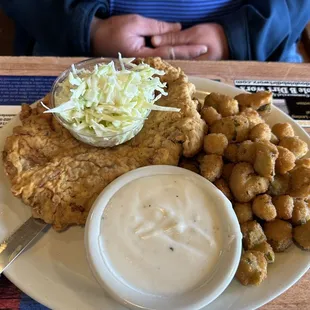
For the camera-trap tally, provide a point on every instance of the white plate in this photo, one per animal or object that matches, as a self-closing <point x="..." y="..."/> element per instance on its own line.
<point x="54" y="270"/>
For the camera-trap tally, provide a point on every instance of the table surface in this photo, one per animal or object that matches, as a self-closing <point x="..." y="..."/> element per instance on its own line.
<point x="298" y="296"/>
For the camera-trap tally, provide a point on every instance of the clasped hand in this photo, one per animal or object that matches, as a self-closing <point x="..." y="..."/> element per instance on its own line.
<point x="126" y="34"/>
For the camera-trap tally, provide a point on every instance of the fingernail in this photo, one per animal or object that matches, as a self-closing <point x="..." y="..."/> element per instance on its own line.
<point x="156" y="40"/>
<point x="203" y="50"/>
<point x="179" y="26"/>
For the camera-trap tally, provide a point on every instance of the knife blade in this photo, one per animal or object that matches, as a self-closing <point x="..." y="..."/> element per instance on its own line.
<point x="15" y="244"/>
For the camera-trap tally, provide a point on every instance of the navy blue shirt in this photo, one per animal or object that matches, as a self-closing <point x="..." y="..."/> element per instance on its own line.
<point x="255" y="29"/>
<point x="186" y="12"/>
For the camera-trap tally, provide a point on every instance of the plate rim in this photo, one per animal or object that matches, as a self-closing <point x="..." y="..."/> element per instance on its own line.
<point x="193" y="79"/>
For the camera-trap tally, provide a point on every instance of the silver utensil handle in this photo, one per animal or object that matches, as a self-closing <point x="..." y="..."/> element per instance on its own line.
<point x="18" y="241"/>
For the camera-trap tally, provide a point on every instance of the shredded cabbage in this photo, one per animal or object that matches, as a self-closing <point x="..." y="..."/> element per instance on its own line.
<point x="109" y="101"/>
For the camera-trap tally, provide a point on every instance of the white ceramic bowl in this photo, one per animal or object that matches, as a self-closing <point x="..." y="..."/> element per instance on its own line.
<point x="195" y="299"/>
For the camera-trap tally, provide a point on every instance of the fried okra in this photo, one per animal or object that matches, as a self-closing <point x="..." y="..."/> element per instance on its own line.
<point x="301" y="235"/>
<point x="265" y="159"/>
<point x="298" y="147"/>
<point x="230" y="152"/>
<point x="215" y="143"/>
<point x="274" y="139"/>
<point x="284" y="205"/>
<point x="263" y="207"/>
<point x="227" y="169"/>
<point x="252" y="269"/>
<point x="243" y="212"/>
<point x="279" y="185"/>
<point x="260" y="132"/>
<point x="279" y="234"/>
<point x="210" y="115"/>
<point x="303" y="162"/>
<point x="224" y="105"/>
<point x="252" y="116"/>
<point x="301" y="212"/>
<point x="283" y="130"/>
<point x="253" y="234"/>
<point x="245" y="184"/>
<point x="260" y="101"/>
<point x="285" y="161"/>
<point x="246" y="152"/>
<point x="235" y="128"/>
<point x="222" y="185"/>
<point x="300" y="182"/>
<point x="211" y="167"/>
<point x="267" y="250"/>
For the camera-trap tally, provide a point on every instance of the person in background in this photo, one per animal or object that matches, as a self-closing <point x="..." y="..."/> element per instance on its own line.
<point x="263" y="30"/>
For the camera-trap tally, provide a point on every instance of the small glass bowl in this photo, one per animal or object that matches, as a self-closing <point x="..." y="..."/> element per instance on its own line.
<point x="108" y="140"/>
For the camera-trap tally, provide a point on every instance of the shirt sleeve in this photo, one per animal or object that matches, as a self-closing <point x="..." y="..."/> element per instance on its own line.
<point x="62" y="26"/>
<point x="265" y="30"/>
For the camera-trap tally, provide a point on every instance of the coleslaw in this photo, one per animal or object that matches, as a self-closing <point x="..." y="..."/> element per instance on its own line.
<point x="109" y="101"/>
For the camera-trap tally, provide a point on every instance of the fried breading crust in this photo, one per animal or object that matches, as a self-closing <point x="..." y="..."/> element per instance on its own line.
<point x="302" y="236"/>
<point x="252" y="269"/>
<point x="60" y="177"/>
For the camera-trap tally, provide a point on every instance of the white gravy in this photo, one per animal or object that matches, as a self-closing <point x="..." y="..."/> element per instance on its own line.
<point x="161" y="235"/>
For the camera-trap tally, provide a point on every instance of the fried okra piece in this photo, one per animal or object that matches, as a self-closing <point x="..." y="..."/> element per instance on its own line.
<point x="189" y="164"/>
<point x="252" y="269"/>
<point x="279" y="185"/>
<point x="230" y="152"/>
<point x="282" y="130"/>
<point x="260" y="132"/>
<point x="279" y="234"/>
<point x="246" y="152"/>
<point x="260" y="101"/>
<point x="267" y="250"/>
<point x="300" y="182"/>
<point x="222" y="185"/>
<point x="243" y="212"/>
<point x="235" y="128"/>
<point x="265" y="159"/>
<point x="225" y="105"/>
<point x="284" y="205"/>
<point x="303" y="162"/>
<point x="301" y="212"/>
<point x="253" y="234"/>
<point x="263" y="207"/>
<point x="211" y="167"/>
<point x="301" y="235"/>
<point x="210" y="115"/>
<point x="298" y="147"/>
<point x="252" y="116"/>
<point x="245" y="184"/>
<point x="274" y="139"/>
<point x="285" y="161"/>
<point x="215" y="143"/>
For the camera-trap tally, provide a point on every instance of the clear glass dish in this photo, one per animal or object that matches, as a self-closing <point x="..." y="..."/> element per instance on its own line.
<point x="108" y="140"/>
